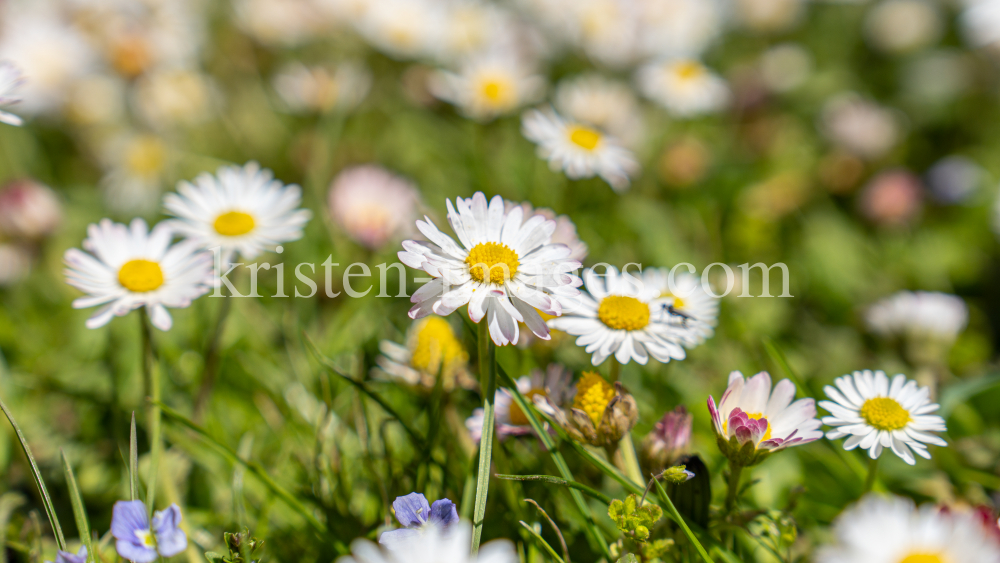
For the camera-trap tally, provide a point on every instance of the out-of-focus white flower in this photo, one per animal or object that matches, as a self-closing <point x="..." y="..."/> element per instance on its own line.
<point x="29" y="209"/>
<point x="579" y="150"/>
<point x="432" y="351"/>
<point x="860" y="126"/>
<point x="489" y="86"/>
<point x="10" y="82"/>
<point x="50" y="53"/>
<point x="892" y="530"/>
<point x="955" y="179"/>
<point x="436" y="544"/>
<point x="373" y="205"/>
<point x="137" y="165"/>
<point x="97" y="99"/>
<point x="606" y="104"/>
<point x="320" y="89"/>
<point x="15" y="263"/>
<point x="678" y="28"/>
<point x="403" y="29"/>
<point x="938" y="77"/>
<point x="919" y="313"/>
<point x="785" y="67"/>
<point x="685" y="87"/>
<point x="607" y="30"/>
<point x="769" y="16"/>
<point x="981" y="22"/>
<point x="565" y="232"/>
<point x="901" y="26"/>
<point x="174" y="97"/>
<point x="473" y="27"/>
<point x="285" y="23"/>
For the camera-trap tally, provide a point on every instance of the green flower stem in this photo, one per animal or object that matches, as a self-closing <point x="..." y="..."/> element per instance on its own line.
<point x="488" y="385"/>
<point x="680" y="521"/>
<point x="629" y="459"/>
<point x="872" y="476"/>
<point x="151" y="373"/>
<point x="735" y="471"/>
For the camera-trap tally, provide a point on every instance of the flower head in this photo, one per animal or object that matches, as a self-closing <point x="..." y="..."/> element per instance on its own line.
<point x="565" y="232"/>
<point x="373" y="205"/>
<point x="505" y="270"/>
<point x="753" y="421"/>
<point x="620" y="316"/>
<point x="488" y="86"/>
<point x="138" y="541"/>
<point x="436" y="545"/>
<point x="68" y="557"/>
<point x="414" y="514"/>
<point x="603" y="103"/>
<point x="600" y="414"/>
<point x="668" y="440"/>
<point x="129" y="267"/>
<point x="689" y="307"/>
<point x="432" y="350"/>
<point x="28" y="210"/>
<point x="578" y="149"/>
<point x="552" y="385"/>
<point x="876" y="413"/>
<point x="921" y="314"/>
<point x="685" y="87"/>
<point x="10" y="82"/>
<point x="321" y="89"/>
<point x="240" y="209"/>
<point x="893" y="530"/>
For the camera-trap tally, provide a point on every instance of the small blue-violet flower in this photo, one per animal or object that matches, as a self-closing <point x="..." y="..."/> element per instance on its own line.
<point x="140" y="543"/>
<point x="67" y="557"/>
<point x="414" y="514"/>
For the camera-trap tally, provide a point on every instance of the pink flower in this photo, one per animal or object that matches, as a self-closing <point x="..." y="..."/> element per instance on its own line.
<point x="372" y="205"/>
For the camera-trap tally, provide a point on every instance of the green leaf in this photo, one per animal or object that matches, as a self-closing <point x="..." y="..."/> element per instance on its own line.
<point x="50" y="511"/>
<point x="616" y="510"/>
<point x="628" y="558"/>
<point x="79" y="510"/>
<point x="214" y="557"/>
<point x="556" y="480"/>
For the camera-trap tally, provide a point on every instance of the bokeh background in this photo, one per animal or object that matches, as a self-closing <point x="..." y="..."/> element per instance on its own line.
<point x="854" y="142"/>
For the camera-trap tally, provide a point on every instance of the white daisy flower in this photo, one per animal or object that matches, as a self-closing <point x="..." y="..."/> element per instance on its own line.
<point x="240" y="209"/>
<point x="751" y="412"/>
<point x="860" y="126"/>
<point x="403" y="29"/>
<point x="685" y="87"/>
<point x="504" y="270"/>
<point x="488" y="86"/>
<point x="10" y="82"/>
<point x="373" y="205"/>
<point x="432" y="350"/>
<point x="606" y="104"/>
<point x="136" y="169"/>
<point x="172" y="97"/>
<point x="919" y="313"/>
<point x="321" y="89"/>
<point x="129" y="267"/>
<point x="553" y="384"/>
<point x="691" y="308"/>
<point x="436" y="544"/>
<point x="893" y="530"/>
<point x="877" y="414"/>
<point x="565" y="232"/>
<point x="579" y="150"/>
<point x="619" y="316"/>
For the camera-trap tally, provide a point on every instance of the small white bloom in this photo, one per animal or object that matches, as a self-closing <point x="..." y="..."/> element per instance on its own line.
<point x="552" y="385"/>
<point x="672" y="28"/>
<point x="619" y="316"/>
<point x="321" y="89"/>
<point x="902" y="26"/>
<point x="692" y="309"/>
<point x="488" y="86"/>
<point x="130" y="267"/>
<point x="876" y="413"/>
<point x="432" y="351"/>
<point x="579" y="150"/>
<point x="860" y="126"/>
<point x="919" y="313"/>
<point x="373" y="205"/>
<point x="685" y="87"/>
<point x="10" y="82"/>
<point x="785" y="67"/>
<point x="402" y="29"/>
<point x="892" y="530"/>
<point x="29" y="210"/>
<point x="171" y="97"/>
<point x="505" y="269"/>
<point x="240" y="209"/>
<point x="436" y="544"/>
<point x="565" y="232"/>
<point x="606" y="104"/>
<point x="769" y="16"/>
<point x="981" y="23"/>
<point x="136" y="167"/>
<point x="286" y="23"/>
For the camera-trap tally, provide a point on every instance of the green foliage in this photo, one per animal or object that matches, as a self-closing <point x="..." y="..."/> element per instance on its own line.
<point x="243" y="548"/>
<point x="632" y="520"/>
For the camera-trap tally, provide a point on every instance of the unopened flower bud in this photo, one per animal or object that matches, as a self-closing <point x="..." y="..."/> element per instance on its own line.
<point x="668" y="440"/>
<point x="677" y="474"/>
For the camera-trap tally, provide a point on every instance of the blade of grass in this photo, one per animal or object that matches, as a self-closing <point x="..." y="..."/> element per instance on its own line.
<point x="50" y="511"/>
<point x="252" y="466"/>
<point x="488" y="385"/>
<point x="680" y="521"/>
<point x="541" y="541"/>
<point x="133" y="462"/>
<point x="79" y="510"/>
<point x="593" y="493"/>
<point x="360" y="385"/>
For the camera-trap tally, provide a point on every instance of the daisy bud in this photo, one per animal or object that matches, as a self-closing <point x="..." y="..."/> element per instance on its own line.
<point x="668" y="440"/>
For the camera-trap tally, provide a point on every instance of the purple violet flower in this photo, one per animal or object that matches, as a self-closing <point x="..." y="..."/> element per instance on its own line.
<point x="140" y="543"/>
<point x="414" y="514"/>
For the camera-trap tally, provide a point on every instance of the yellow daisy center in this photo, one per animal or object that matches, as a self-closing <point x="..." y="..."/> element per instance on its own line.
<point x="234" y="223"/>
<point x="584" y="137"/>
<point x="496" y="91"/>
<point x="593" y="394"/>
<point x="435" y="347"/>
<point x="140" y="275"/>
<point x="923" y="558"/>
<point x="884" y="413"/>
<point x="145" y="156"/>
<point x="689" y="70"/>
<point x="623" y="313"/>
<point x="516" y="415"/>
<point x="492" y="261"/>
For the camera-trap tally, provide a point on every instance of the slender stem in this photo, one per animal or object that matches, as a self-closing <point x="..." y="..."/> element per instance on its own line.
<point x="212" y="356"/>
<point x="151" y="373"/>
<point x="680" y="521"/>
<point x="735" y="471"/>
<point x="630" y="460"/>
<point x="488" y="384"/>
<point x="616" y="369"/>
<point x="872" y="476"/>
